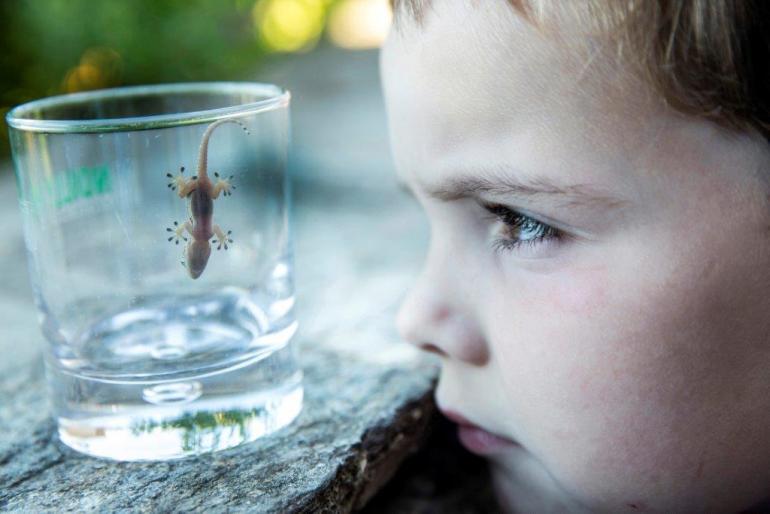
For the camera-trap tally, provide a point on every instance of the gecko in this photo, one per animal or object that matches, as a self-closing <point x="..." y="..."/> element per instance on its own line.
<point x="201" y="192"/>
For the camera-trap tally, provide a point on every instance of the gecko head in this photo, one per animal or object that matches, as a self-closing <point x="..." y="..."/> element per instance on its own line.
<point x="197" y="256"/>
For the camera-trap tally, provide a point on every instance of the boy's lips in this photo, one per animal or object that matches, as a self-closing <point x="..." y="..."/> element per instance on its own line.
<point x="476" y="439"/>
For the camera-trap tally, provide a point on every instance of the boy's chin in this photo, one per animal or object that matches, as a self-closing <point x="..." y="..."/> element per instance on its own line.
<point x="521" y="485"/>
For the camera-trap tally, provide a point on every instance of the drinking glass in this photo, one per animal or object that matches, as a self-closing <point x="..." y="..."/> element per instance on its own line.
<point x="156" y="226"/>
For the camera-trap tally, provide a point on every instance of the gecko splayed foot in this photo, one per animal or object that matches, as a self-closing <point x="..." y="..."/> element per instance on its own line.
<point x="201" y="192"/>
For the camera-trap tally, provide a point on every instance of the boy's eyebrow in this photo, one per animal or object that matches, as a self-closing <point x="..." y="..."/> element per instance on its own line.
<point x="497" y="184"/>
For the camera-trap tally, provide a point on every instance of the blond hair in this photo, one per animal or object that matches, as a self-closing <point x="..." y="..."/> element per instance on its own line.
<point x="707" y="58"/>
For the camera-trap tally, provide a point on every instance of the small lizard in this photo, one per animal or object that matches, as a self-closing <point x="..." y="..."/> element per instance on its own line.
<point x="202" y="193"/>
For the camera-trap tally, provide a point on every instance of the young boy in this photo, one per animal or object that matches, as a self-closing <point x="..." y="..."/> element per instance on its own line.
<point x="598" y="281"/>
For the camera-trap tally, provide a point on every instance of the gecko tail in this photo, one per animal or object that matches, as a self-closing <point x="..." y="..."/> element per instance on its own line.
<point x="203" y="151"/>
<point x="242" y="125"/>
<point x="238" y="122"/>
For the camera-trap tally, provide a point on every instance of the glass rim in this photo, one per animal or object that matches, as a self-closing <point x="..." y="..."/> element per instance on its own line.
<point x="18" y="117"/>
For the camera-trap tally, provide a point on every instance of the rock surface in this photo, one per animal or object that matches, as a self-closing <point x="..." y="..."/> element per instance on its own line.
<point x="358" y="423"/>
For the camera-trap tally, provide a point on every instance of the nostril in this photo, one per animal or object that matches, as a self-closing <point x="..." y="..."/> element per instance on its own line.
<point x="432" y="348"/>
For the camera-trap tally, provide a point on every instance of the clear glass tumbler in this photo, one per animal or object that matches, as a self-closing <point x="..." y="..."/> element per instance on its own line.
<point x="156" y="226"/>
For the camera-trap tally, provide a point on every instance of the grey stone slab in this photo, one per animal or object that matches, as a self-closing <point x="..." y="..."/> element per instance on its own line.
<point x="359" y="421"/>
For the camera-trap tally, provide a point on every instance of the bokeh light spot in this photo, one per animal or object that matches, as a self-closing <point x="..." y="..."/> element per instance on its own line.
<point x="289" y="25"/>
<point x="98" y="68"/>
<point x="360" y="24"/>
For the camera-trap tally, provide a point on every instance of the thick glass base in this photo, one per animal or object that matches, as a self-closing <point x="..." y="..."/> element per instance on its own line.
<point x="185" y="425"/>
<point x="177" y="376"/>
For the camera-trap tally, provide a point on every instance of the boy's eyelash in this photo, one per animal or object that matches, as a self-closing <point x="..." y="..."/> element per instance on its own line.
<point x="515" y="223"/>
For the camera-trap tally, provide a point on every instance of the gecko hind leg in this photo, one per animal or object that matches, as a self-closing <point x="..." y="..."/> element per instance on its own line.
<point x="176" y="181"/>
<point x="183" y="186"/>
<point x="223" y="185"/>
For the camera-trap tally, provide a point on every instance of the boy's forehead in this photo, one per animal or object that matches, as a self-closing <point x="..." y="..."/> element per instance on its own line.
<point x="483" y="71"/>
<point x="470" y="58"/>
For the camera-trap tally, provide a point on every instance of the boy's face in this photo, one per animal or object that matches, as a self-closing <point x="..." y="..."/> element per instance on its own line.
<point x="625" y="344"/>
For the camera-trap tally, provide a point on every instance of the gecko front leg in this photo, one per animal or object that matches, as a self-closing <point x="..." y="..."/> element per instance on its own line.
<point x="222" y="238"/>
<point x="179" y="230"/>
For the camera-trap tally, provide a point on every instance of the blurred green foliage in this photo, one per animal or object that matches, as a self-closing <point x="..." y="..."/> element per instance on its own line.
<point x="60" y="46"/>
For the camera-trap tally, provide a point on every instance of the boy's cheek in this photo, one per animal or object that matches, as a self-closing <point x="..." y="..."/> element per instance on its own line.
<point x="611" y="368"/>
<point x="578" y="293"/>
<point x="601" y="329"/>
<point x="557" y="345"/>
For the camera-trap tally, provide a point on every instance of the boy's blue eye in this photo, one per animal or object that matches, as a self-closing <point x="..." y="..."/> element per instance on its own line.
<point x="518" y="229"/>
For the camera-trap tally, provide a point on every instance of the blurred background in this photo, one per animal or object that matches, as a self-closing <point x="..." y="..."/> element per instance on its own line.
<point x="324" y="51"/>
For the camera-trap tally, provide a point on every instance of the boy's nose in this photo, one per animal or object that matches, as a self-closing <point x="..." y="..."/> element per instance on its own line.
<point x="432" y="318"/>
